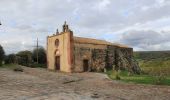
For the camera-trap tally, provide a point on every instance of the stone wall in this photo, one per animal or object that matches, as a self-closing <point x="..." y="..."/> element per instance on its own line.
<point x="98" y="60"/>
<point x="95" y="54"/>
<point x="101" y="58"/>
<point x="110" y="57"/>
<point x="123" y="58"/>
<point x="81" y="53"/>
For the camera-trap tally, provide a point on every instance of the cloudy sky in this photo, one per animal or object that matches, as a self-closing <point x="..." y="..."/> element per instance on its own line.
<point x="141" y="24"/>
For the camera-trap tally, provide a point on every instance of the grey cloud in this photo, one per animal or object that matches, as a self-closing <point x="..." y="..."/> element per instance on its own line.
<point x="31" y="29"/>
<point x="146" y="39"/>
<point x="120" y="13"/>
<point x="91" y="18"/>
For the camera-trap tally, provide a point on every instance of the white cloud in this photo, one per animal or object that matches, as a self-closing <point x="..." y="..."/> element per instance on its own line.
<point x="103" y="5"/>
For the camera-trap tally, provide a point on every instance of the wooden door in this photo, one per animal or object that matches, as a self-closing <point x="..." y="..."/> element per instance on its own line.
<point x="85" y="65"/>
<point x="57" y="62"/>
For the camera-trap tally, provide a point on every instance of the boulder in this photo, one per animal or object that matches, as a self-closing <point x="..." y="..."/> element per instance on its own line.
<point x="18" y="69"/>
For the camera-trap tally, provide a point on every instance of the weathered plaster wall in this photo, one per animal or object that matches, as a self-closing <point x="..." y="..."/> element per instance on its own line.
<point x="64" y="50"/>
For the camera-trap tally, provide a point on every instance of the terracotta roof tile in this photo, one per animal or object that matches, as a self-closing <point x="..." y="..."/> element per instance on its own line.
<point x="96" y="41"/>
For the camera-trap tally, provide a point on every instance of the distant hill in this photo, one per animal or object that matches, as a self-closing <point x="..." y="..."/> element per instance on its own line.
<point x="154" y="62"/>
<point x="151" y="55"/>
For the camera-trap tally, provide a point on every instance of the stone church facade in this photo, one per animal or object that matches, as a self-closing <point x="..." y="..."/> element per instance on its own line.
<point x="68" y="53"/>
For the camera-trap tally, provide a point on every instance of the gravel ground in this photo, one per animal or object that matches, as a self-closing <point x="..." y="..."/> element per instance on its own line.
<point x="41" y="84"/>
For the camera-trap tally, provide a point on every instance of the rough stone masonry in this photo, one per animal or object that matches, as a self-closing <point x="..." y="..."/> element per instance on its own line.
<point x="68" y="53"/>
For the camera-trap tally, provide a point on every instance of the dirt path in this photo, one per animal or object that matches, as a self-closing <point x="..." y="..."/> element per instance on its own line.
<point x="40" y="84"/>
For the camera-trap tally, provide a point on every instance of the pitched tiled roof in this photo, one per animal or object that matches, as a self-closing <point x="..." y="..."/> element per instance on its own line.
<point x="96" y="41"/>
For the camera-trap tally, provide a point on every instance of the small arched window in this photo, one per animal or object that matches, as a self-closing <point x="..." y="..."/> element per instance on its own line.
<point x="56" y="42"/>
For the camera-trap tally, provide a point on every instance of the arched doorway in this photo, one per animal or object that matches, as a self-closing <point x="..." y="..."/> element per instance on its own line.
<point x="57" y="62"/>
<point x="57" y="59"/>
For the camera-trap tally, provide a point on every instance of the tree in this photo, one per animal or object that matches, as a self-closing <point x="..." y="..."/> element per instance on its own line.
<point x="2" y="55"/>
<point x="41" y="55"/>
<point x="24" y="57"/>
<point x="11" y="58"/>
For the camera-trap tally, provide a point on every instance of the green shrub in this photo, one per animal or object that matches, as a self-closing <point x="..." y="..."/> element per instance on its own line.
<point x="156" y="79"/>
<point x="118" y="77"/>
